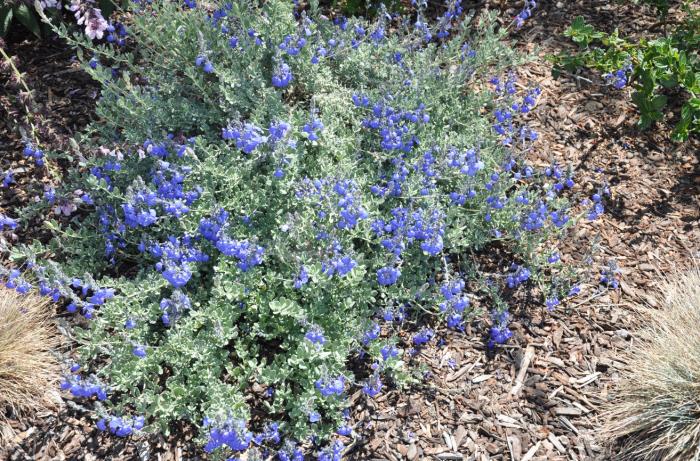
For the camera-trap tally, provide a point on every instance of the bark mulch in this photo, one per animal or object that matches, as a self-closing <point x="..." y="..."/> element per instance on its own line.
<point x="61" y="102"/>
<point x="539" y="397"/>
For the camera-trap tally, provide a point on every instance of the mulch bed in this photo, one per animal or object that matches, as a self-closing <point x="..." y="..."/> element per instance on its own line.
<point x="539" y="397"/>
<point x="469" y="407"/>
<point x="61" y="103"/>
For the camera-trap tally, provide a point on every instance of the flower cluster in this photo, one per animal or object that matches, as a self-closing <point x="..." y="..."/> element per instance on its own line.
<point x="499" y="332"/>
<point x="525" y="13"/>
<point x="204" y="63"/>
<point x="247" y="136"/>
<point x="394" y="126"/>
<point x="330" y="386"/>
<point x="117" y="33"/>
<point x="229" y="432"/>
<point x="405" y="227"/>
<point x="619" y="78"/>
<point x="335" y="200"/>
<point x="35" y="154"/>
<point x="282" y="76"/>
<point x="121" y="426"/>
<point x="175" y="257"/>
<point x="455" y="302"/>
<point x="85" y="388"/>
<point x="87" y="14"/>
<point x="610" y="275"/>
<point x="7" y="222"/>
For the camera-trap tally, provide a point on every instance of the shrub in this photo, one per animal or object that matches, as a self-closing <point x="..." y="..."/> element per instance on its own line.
<point x="655" y="413"/>
<point x="270" y="195"/>
<point x="651" y="66"/>
<point x="28" y="368"/>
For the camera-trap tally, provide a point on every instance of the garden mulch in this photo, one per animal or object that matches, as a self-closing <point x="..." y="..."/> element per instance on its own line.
<point x="540" y="396"/>
<point x="61" y="103"/>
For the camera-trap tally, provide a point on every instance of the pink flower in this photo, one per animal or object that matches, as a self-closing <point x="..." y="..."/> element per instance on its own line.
<point x="85" y="13"/>
<point x="96" y="26"/>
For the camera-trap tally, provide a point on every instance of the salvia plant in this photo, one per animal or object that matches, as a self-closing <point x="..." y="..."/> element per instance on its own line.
<point x="275" y="208"/>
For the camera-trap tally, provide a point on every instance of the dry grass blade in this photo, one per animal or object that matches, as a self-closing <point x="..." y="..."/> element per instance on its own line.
<point x="28" y="369"/>
<point x="656" y="415"/>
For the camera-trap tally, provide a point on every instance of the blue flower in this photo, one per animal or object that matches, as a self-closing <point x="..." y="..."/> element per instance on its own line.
<point x="278" y="131"/>
<point x="248" y="137"/>
<point x="597" y="209"/>
<point x="312" y="128"/>
<point x="6" y="221"/>
<point x="499" y="332"/>
<point x="519" y="274"/>
<point x="231" y="433"/>
<point x="282" y="76"/>
<point x="373" y="386"/>
<point x="101" y="424"/>
<point x="371" y="333"/>
<point x="388" y="352"/>
<point x="85" y="388"/>
<point x="315" y="336"/>
<point x="620" y="77"/>
<point x="139" y="351"/>
<point x="330" y="386"/>
<point x="248" y="254"/>
<point x="177" y="276"/>
<point x="525" y="13"/>
<point x="388" y="275"/>
<point x="121" y="426"/>
<point x="333" y="452"/>
<point x="302" y="279"/>
<point x="341" y="265"/>
<point x="423" y="336"/>
<point x="552" y="302"/>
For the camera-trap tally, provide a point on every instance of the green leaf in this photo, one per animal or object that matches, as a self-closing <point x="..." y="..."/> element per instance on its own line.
<point x="659" y="102"/>
<point x="107" y="7"/>
<point x="5" y="19"/>
<point x="286" y="307"/>
<point x="582" y="33"/>
<point x="28" y="18"/>
<point x="669" y="82"/>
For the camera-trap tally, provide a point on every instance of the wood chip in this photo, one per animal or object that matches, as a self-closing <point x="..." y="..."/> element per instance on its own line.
<point x="567" y="411"/>
<point x="524" y="363"/>
<point x="480" y="379"/>
<point x="531" y="452"/>
<point x="555" y="441"/>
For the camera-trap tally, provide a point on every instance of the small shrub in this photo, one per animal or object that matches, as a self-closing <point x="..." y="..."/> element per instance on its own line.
<point x="653" y="67"/>
<point x="28" y="368"/>
<point x="271" y="197"/>
<point x="656" y="414"/>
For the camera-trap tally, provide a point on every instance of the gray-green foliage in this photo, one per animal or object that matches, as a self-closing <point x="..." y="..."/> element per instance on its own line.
<point x="242" y="343"/>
